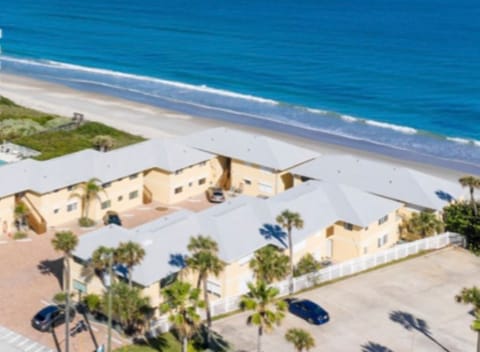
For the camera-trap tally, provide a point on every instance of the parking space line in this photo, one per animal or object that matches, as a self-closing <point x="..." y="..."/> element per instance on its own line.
<point x="23" y="342"/>
<point x="10" y="333"/>
<point x="26" y="349"/>
<point x="13" y="339"/>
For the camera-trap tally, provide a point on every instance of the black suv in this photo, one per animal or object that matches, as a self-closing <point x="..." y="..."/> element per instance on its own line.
<point x="50" y="317"/>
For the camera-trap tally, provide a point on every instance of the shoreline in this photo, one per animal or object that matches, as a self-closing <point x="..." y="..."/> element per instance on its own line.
<point x="153" y="122"/>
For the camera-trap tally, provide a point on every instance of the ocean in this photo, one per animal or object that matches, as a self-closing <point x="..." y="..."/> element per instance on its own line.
<point x="400" y="77"/>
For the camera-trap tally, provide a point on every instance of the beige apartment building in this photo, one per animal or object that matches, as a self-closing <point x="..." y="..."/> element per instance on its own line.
<point x="52" y="190"/>
<point x="243" y="225"/>
<point x="250" y="164"/>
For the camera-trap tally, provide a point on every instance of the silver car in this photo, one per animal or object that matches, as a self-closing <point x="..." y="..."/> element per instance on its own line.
<point x="215" y="195"/>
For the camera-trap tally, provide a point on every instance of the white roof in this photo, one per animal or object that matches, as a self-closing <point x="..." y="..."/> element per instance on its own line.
<point x="249" y="147"/>
<point x="71" y="169"/>
<point x="240" y="226"/>
<point x="395" y="182"/>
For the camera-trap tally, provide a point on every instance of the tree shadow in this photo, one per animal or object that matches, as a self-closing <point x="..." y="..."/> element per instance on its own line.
<point x="444" y="196"/>
<point x="410" y="322"/>
<point x="158" y="343"/>
<point x="52" y="267"/>
<point x="210" y="340"/>
<point x="178" y="260"/>
<point x="273" y="231"/>
<point x="55" y="340"/>
<point x="375" y="347"/>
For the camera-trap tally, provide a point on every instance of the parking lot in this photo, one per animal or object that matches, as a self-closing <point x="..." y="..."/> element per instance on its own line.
<point x="408" y="306"/>
<point x="30" y="275"/>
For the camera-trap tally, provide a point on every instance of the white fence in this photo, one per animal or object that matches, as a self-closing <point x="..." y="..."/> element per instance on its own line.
<point x="336" y="271"/>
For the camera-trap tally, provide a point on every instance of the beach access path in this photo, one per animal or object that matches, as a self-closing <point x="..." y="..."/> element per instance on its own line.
<point x="152" y="122"/>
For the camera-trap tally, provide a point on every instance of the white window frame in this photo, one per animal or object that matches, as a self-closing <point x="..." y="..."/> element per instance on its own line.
<point x="264" y="186"/>
<point x="70" y="204"/>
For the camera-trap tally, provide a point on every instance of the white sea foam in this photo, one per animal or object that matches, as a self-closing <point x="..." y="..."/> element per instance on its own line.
<point x="402" y="129"/>
<point x="464" y="141"/>
<point x="348" y="118"/>
<point x="200" y="88"/>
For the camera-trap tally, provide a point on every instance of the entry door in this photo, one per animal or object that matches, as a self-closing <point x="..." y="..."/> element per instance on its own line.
<point x="329" y="248"/>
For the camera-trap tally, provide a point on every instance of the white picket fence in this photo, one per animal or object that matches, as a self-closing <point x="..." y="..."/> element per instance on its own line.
<point x="336" y="271"/>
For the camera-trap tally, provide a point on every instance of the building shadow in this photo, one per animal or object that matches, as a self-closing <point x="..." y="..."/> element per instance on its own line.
<point x="52" y="267"/>
<point x="412" y="323"/>
<point x="375" y="347"/>
<point x="274" y="232"/>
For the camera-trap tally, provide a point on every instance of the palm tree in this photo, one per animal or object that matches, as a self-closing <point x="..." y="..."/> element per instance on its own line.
<point x="205" y="261"/>
<point x="424" y="223"/>
<point x="181" y="301"/>
<point x="266" y="312"/>
<point x="289" y="220"/>
<point x="66" y="242"/>
<point x="89" y="191"/>
<point x="472" y="183"/>
<point x="102" y="260"/>
<point x="130" y="254"/>
<point x="128" y="305"/>
<point x="301" y="339"/>
<point x="270" y="264"/>
<point x="472" y="296"/>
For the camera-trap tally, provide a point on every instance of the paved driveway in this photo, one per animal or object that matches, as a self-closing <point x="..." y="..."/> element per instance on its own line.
<point x="404" y="307"/>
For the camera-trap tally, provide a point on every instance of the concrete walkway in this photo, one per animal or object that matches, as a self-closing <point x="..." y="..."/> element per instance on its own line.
<point x="12" y="342"/>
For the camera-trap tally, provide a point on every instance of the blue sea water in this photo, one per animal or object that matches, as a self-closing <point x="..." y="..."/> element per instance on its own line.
<point x="395" y="76"/>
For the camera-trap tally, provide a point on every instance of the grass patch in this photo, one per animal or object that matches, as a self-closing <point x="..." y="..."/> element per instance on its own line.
<point x="53" y="144"/>
<point x="20" y="235"/>
<point x="57" y="143"/>
<point x="165" y="343"/>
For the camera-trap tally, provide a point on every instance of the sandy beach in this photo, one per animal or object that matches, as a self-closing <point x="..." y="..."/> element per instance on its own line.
<point x="153" y="122"/>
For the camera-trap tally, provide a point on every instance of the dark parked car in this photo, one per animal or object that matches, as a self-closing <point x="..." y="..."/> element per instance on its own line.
<point x="112" y="217"/>
<point x="215" y="195"/>
<point x="50" y="317"/>
<point x="308" y="310"/>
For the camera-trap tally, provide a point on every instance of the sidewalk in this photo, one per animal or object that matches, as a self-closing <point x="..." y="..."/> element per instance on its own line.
<point x="12" y="342"/>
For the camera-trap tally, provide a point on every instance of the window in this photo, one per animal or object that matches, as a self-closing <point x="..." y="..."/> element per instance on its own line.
<point x="178" y="172"/>
<point x="106" y="204"/>
<point x="70" y="188"/>
<point x="71" y="207"/>
<point x="265" y="188"/>
<point x="365" y="250"/>
<point x="56" y="210"/>
<point x="214" y="288"/>
<point x="133" y="195"/>
<point x="202" y="181"/>
<point x="178" y="190"/>
<point x="203" y="163"/>
<point x="382" y="240"/>
<point x="132" y="177"/>
<point x="190" y="183"/>
<point x="347" y="226"/>
<point x="106" y="184"/>
<point x="383" y="220"/>
<point x="119" y="198"/>
<point x="247" y="181"/>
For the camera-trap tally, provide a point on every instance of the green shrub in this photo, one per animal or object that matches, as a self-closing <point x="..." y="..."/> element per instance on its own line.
<point x="93" y="302"/>
<point x="307" y="264"/>
<point x="459" y="218"/>
<point x="20" y="235"/>
<point x="86" y="222"/>
<point x="15" y="128"/>
<point x="56" y="122"/>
